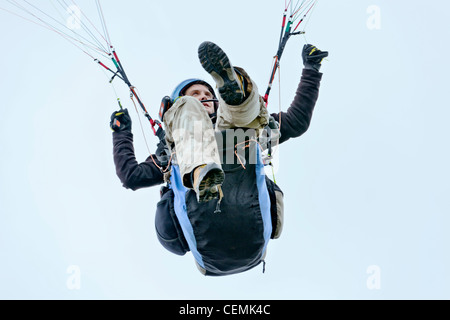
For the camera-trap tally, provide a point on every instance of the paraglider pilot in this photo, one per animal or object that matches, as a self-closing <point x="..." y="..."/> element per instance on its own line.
<point x="217" y="202"/>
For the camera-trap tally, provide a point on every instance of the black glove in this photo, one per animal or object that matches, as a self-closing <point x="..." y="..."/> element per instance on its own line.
<point x="312" y="57"/>
<point x="120" y="121"/>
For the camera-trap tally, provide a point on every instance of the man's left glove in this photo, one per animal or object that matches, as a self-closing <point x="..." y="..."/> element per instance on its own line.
<point x="120" y="121"/>
<point x="312" y="57"/>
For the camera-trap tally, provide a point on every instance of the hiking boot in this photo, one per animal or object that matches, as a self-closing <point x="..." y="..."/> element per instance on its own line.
<point x="206" y="180"/>
<point x="217" y="64"/>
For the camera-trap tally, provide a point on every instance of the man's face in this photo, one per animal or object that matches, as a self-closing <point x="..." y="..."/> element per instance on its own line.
<point x="201" y="92"/>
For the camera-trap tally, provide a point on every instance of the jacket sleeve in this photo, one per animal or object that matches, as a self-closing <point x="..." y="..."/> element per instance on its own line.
<point x="132" y="174"/>
<point x="296" y="120"/>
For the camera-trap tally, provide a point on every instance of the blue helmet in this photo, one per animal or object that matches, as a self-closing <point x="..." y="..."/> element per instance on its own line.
<point x="183" y="86"/>
<point x="179" y="91"/>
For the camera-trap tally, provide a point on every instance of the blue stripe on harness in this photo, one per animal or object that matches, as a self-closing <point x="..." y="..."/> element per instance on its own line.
<point x="264" y="199"/>
<point x="181" y="211"/>
<point x="179" y="191"/>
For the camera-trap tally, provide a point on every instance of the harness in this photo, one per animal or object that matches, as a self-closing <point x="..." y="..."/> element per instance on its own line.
<point x="251" y="202"/>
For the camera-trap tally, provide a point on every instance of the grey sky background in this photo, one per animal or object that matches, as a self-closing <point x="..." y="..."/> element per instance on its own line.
<point x="366" y="187"/>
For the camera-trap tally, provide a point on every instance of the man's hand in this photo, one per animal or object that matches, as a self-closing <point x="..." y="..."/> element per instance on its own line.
<point x="312" y="57"/>
<point x="120" y="121"/>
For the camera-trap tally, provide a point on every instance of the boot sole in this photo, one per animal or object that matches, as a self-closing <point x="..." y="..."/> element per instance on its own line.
<point x="216" y="63"/>
<point x="208" y="187"/>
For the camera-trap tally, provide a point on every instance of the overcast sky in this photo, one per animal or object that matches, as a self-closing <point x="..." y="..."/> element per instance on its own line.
<point x="366" y="188"/>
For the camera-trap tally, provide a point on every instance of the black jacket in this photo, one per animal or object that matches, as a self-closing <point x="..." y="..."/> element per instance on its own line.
<point x="223" y="240"/>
